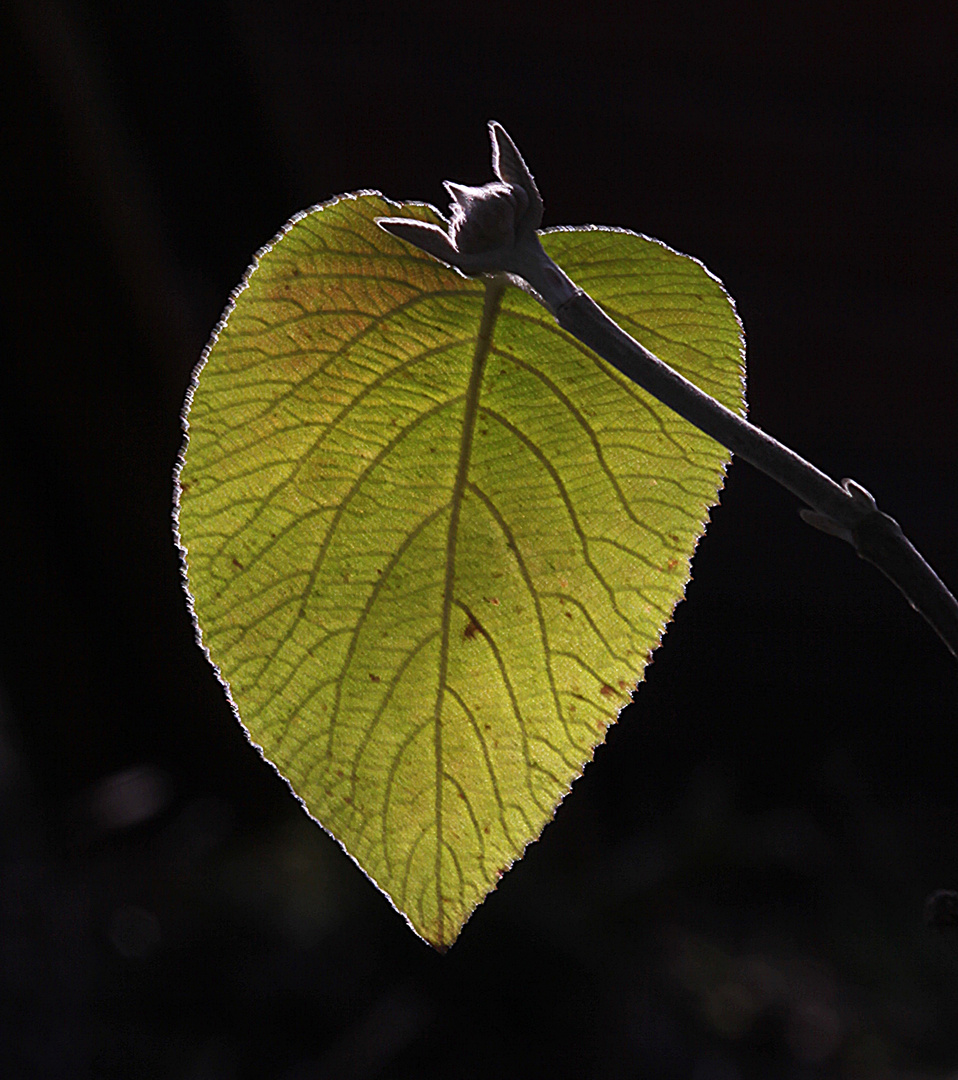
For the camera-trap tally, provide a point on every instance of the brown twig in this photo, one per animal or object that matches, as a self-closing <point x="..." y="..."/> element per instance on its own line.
<point x="493" y="231"/>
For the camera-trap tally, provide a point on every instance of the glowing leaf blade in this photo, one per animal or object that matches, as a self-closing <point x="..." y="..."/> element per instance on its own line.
<point x="430" y="566"/>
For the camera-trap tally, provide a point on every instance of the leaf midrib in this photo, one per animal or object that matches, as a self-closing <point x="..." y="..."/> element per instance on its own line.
<point x="495" y="287"/>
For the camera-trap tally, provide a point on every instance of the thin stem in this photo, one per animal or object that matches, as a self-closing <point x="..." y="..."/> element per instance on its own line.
<point x="493" y="231"/>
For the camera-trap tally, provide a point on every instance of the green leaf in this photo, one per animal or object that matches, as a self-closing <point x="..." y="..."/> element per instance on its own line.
<point x="431" y="540"/>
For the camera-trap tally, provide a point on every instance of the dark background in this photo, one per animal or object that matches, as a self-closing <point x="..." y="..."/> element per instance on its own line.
<point x="735" y="888"/>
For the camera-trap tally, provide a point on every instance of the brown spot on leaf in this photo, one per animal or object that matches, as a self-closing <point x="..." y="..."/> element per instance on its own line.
<point x="472" y="628"/>
<point x="237" y="563"/>
<point x="568" y="614"/>
<point x="486" y="829"/>
<point x="606" y="690"/>
<point x="672" y="563"/>
<point x="374" y="678"/>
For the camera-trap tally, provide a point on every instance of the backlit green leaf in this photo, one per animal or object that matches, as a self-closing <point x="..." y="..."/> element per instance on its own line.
<point x="431" y="540"/>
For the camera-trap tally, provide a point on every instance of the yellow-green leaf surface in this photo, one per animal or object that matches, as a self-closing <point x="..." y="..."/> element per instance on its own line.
<point x="431" y="540"/>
